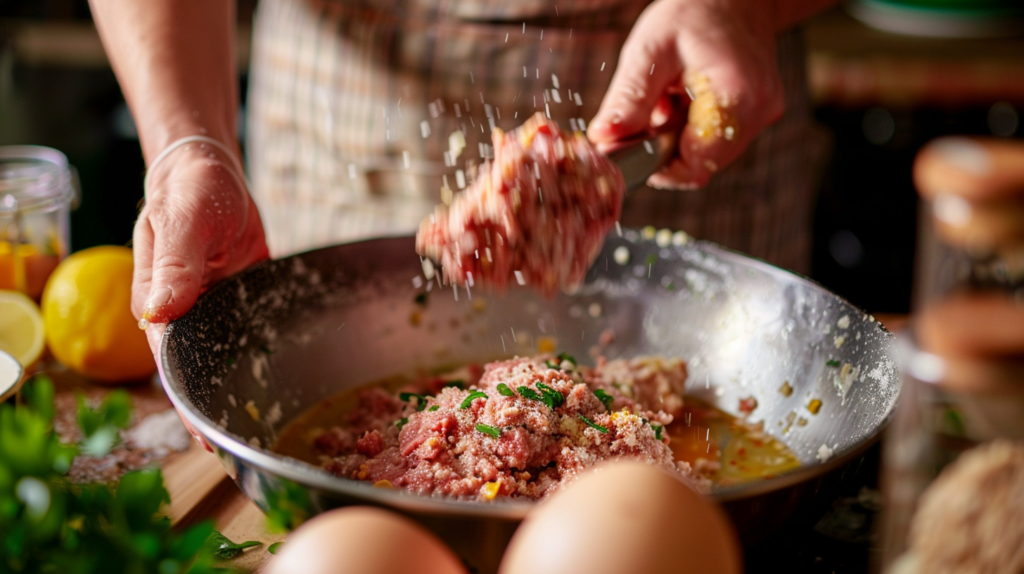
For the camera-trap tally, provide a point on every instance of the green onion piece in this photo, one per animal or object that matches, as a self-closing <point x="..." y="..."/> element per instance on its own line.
<point x="592" y="424"/>
<point x="657" y="430"/>
<point x="401" y="422"/>
<point x="529" y="393"/>
<point x="273" y="548"/>
<point x="433" y="408"/>
<point x="505" y="391"/>
<point x="471" y="397"/>
<point x="566" y="357"/>
<point x="488" y="430"/>
<point x="554" y="398"/>
<point x="421" y="299"/>
<point x="832" y="363"/>
<point x="605" y="398"/>
<point x="458" y="384"/>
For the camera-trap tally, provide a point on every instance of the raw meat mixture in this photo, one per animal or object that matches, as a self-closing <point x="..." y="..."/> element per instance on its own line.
<point x="541" y="209"/>
<point x="518" y="428"/>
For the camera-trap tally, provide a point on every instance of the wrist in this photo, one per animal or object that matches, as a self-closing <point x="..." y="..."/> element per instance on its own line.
<point x="156" y="137"/>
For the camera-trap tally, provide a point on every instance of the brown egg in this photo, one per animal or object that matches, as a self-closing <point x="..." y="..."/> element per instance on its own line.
<point x="363" y="540"/>
<point x="624" y="517"/>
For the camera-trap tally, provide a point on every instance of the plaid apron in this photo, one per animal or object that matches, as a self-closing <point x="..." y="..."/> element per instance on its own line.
<point x="364" y="114"/>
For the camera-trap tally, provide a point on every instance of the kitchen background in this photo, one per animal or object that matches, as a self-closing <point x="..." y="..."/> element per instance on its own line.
<point x="881" y="94"/>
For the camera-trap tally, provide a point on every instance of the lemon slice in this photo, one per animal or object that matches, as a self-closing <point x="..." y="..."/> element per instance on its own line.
<point x="10" y="376"/>
<point x="21" y="328"/>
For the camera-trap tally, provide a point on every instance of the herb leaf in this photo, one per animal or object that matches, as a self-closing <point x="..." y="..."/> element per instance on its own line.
<point x="471" y="397"/>
<point x="401" y="422"/>
<point x="832" y="363"/>
<point x="433" y="408"/>
<point x="421" y="401"/>
<point x="529" y="393"/>
<point x="657" y="430"/>
<point x="563" y="356"/>
<point x="504" y="391"/>
<point x="551" y="365"/>
<point x="552" y="397"/>
<point x="225" y="549"/>
<point x="592" y="424"/>
<point x="605" y="399"/>
<point x="488" y="430"/>
<point x="100" y="425"/>
<point x="273" y="548"/>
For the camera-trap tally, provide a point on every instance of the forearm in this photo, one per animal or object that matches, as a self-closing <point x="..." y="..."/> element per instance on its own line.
<point x="790" y="12"/>
<point x="175" y="62"/>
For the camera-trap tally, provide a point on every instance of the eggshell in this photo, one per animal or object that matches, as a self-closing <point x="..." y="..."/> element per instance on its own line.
<point x="363" y="540"/>
<point x="624" y="517"/>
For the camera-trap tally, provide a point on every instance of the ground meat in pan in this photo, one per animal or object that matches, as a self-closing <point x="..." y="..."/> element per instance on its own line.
<point x="540" y="209"/>
<point x="528" y="426"/>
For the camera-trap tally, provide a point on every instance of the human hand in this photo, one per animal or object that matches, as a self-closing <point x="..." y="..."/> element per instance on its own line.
<point x="198" y="226"/>
<point x="723" y="52"/>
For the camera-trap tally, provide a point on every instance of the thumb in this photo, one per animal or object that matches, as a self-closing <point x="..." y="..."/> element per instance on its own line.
<point x="648" y="64"/>
<point x="176" y="261"/>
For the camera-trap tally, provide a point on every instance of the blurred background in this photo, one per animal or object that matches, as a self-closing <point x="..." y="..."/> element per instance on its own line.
<point x="886" y="77"/>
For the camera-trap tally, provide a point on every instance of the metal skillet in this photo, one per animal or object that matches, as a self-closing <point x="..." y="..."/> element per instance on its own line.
<point x="277" y="339"/>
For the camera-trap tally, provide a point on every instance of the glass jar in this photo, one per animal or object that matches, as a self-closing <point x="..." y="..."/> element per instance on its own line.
<point x="37" y="189"/>
<point x="953" y="466"/>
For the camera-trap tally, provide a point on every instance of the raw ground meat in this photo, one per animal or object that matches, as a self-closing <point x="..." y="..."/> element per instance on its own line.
<point x="550" y="418"/>
<point x="541" y="208"/>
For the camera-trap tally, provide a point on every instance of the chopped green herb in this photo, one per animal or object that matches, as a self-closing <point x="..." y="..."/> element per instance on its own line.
<point x="592" y="424"/>
<point x="529" y="393"/>
<point x="225" y="549"/>
<point x="433" y="408"/>
<point x="657" y="430"/>
<point x="401" y="422"/>
<point x="421" y="299"/>
<point x="651" y="259"/>
<point x="551" y="365"/>
<point x="100" y="425"/>
<point x="605" y="398"/>
<point x="472" y="397"/>
<point x="273" y="548"/>
<point x="458" y="384"/>
<point x="421" y="401"/>
<point x="562" y="357"/>
<point x="488" y="430"/>
<point x="504" y="391"/>
<point x="832" y="363"/>
<point x="552" y="397"/>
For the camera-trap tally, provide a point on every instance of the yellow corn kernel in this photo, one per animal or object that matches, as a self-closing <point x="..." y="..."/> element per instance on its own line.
<point x="383" y="484"/>
<point x="546" y="345"/>
<point x="490" y="490"/>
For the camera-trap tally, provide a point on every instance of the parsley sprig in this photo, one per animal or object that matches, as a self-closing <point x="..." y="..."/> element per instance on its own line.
<point x="593" y="425"/>
<point x="605" y="399"/>
<point x="488" y="430"/>
<point x="466" y="402"/>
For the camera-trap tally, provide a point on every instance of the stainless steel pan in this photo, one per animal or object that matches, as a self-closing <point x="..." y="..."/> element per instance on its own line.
<point x="288" y="333"/>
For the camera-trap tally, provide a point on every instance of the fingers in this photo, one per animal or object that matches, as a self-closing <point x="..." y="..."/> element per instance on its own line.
<point x="975" y="169"/>
<point x="648" y="65"/>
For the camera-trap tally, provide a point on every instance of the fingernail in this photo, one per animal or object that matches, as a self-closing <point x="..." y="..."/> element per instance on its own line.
<point x="158" y="298"/>
<point x="963" y="153"/>
<point x="952" y="210"/>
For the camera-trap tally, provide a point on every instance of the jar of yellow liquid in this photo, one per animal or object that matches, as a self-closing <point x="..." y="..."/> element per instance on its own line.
<point x="37" y="188"/>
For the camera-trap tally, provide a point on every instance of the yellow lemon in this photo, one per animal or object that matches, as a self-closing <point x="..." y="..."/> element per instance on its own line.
<point x="89" y="323"/>
<point x="21" y="328"/>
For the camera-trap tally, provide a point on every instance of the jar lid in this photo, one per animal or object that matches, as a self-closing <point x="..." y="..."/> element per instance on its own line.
<point x="33" y="177"/>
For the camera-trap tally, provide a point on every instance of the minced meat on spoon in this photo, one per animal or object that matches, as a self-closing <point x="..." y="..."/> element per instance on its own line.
<point x="538" y="212"/>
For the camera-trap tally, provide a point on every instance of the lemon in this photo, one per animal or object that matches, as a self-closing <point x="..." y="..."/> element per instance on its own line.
<point x="21" y="328"/>
<point x="88" y="318"/>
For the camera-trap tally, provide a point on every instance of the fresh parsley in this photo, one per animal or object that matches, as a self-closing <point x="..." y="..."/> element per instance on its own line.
<point x="472" y="397"/>
<point x="657" y="430"/>
<point x="562" y="357"/>
<point x="421" y="401"/>
<point x="273" y="548"/>
<point x="401" y="422"/>
<point x="593" y="425"/>
<point x="504" y="391"/>
<point x="605" y="399"/>
<point x="433" y="408"/>
<point x="225" y="549"/>
<point x="488" y="430"/>
<point x="832" y="363"/>
<point x="552" y="398"/>
<point x="527" y="392"/>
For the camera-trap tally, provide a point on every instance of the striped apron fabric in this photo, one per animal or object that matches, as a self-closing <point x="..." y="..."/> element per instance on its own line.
<point x="354" y="107"/>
